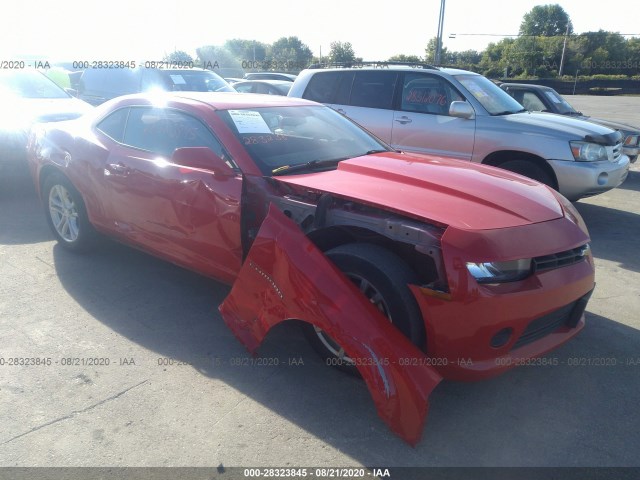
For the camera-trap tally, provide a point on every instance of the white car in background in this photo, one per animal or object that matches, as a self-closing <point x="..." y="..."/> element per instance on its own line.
<point x="27" y="97"/>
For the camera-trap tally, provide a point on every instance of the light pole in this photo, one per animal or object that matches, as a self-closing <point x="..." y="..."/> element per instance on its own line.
<point x="564" y="47"/>
<point x="439" y="38"/>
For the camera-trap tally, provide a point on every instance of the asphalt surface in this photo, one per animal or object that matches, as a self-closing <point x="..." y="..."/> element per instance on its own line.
<point x="133" y="366"/>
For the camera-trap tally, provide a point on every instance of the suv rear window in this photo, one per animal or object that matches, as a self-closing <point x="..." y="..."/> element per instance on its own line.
<point x="322" y="87"/>
<point x="373" y="89"/>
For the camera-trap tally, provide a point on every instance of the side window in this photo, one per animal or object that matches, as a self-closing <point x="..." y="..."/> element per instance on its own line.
<point x="516" y="94"/>
<point x="244" y="88"/>
<point x="161" y="131"/>
<point x="263" y="88"/>
<point x="113" y="125"/>
<point x="121" y="81"/>
<point x="427" y="94"/>
<point x="373" y="89"/>
<point x="330" y="87"/>
<point x="531" y="102"/>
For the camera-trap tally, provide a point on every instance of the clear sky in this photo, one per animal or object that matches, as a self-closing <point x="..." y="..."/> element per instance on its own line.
<point x="121" y="30"/>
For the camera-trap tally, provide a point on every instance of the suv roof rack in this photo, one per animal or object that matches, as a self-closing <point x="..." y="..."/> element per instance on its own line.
<point x="374" y="64"/>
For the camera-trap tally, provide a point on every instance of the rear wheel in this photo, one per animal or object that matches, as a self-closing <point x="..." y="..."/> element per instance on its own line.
<point x="530" y="169"/>
<point x="66" y="214"/>
<point x="383" y="278"/>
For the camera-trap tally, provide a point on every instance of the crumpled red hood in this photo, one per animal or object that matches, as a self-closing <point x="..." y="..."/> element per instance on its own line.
<point x="450" y="192"/>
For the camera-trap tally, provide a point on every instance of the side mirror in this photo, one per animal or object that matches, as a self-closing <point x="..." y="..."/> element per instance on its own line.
<point x="461" y="110"/>
<point x="202" y="158"/>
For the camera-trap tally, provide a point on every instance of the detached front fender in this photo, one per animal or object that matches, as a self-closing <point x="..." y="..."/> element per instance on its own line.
<point x="286" y="277"/>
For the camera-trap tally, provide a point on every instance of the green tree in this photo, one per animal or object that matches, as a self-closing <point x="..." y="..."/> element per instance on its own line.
<point x="546" y="21"/>
<point x="603" y="53"/>
<point x="467" y="60"/>
<point x="289" y="53"/>
<point x="341" y="52"/>
<point x="405" y="58"/>
<point x="633" y="55"/>
<point x="497" y="60"/>
<point x="214" y="56"/>
<point x="178" y="56"/>
<point x="430" y="53"/>
<point x="246" y="50"/>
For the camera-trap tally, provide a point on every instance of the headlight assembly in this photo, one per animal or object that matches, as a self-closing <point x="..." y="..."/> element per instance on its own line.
<point x="631" y="140"/>
<point x="588" y="152"/>
<point x="500" y="272"/>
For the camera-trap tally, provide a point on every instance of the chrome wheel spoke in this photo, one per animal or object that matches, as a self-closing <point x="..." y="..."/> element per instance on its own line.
<point x="63" y="213"/>
<point x="55" y="209"/>
<point x="374" y="296"/>
<point x="73" y="227"/>
<point x="64" y="229"/>
<point x="59" y="223"/>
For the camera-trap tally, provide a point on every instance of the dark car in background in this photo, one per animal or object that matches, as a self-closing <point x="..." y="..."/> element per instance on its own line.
<point x="539" y="98"/>
<point x="268" y="87"/>
<point x="97" y="85"/>
<point x="26" y="97"/>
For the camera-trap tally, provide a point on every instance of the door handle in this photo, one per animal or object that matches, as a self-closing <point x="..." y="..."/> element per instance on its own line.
<point x="117" y="169"/>
<point x="404" y="119"/>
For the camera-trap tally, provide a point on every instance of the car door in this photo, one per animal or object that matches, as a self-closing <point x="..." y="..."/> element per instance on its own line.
<point x="421" y="123"/>
<point x="187" y="215"/>
<point x="370" y="100"/>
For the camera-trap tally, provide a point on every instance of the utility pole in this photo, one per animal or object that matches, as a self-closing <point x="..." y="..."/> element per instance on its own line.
<point x="439" y="38"/>
<point x="564" y="47"/>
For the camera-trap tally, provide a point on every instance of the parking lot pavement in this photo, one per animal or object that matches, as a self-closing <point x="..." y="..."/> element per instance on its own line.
<point x="133" y="366"/>
<point x="617" y="108"/>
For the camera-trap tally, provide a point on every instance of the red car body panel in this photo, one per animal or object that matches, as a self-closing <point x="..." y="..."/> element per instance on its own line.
<point x="470" y="213"/>
<point x="421" y="187"/>
<point x="286" y="277"/>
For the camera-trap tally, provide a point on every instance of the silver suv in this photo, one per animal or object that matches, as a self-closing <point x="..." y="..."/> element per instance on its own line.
<point x="460" y="114"/>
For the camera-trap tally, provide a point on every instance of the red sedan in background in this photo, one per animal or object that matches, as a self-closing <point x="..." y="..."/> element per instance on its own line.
<point x="408" y="269"/>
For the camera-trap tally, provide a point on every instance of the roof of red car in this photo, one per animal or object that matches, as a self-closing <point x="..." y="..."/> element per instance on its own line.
<point x="223" y="100"/>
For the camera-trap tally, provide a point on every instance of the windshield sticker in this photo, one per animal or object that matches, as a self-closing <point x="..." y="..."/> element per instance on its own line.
<point x="248" y="121"/>
<point x="476" y="90"/>
<point x="178" y="80"/>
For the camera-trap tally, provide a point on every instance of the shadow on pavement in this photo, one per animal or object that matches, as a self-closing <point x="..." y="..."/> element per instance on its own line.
<point x="632" y="182"/>
<point x="575" y="409"/>
<point x="22" y="219"/>
<point x="610" y="231"/>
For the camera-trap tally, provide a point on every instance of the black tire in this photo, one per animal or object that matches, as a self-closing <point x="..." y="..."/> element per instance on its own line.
<point x="384" y="278"/>
<point x="530" y="169"/>
<point x="66" y="214"/>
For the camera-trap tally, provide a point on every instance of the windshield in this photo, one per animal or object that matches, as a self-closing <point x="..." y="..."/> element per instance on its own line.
<point x="197" y="81"/>
<point x="29" y="84"/>
<point x="495" y="100"/>
<point x="564" y="108"/>
<point x="287" y="136"/>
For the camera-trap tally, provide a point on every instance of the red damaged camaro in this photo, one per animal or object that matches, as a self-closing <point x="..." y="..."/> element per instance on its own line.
<point x="407" y="269"/>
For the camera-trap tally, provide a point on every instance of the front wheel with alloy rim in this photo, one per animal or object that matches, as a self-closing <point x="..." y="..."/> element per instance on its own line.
<point x="383" y="278"/>
<point x="66" y="213"/>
